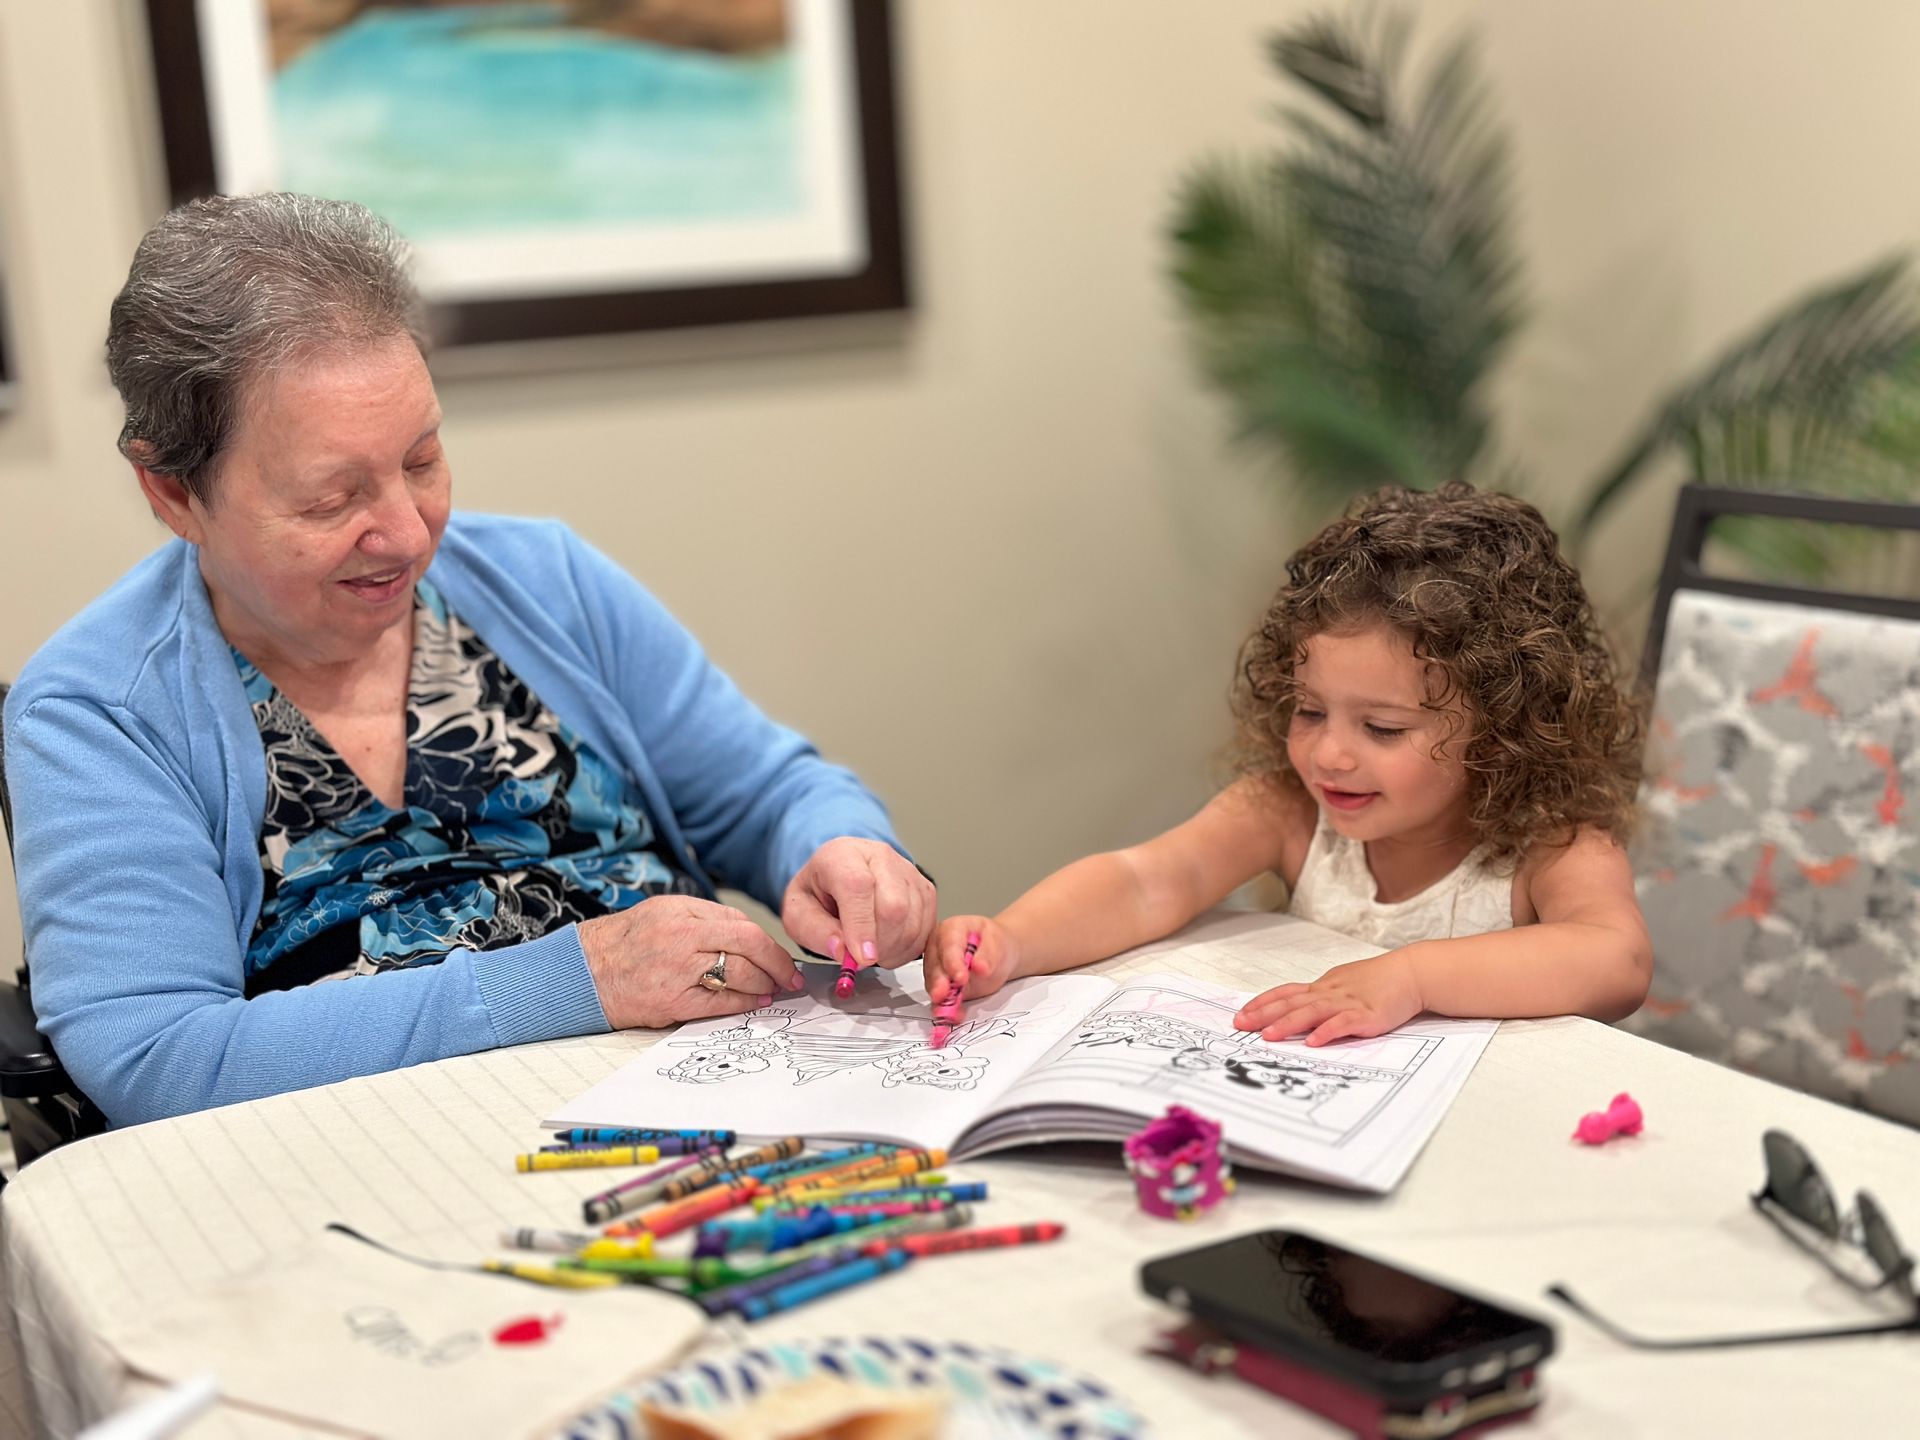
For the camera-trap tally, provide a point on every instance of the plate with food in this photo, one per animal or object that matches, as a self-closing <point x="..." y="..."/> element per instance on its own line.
<point x="865" y="1388"/>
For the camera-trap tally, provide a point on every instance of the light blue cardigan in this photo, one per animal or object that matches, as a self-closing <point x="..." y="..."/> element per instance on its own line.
<point x="139" y="789"/>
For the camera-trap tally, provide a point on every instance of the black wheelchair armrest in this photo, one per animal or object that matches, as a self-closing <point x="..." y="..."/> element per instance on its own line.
<point x="28" y="1066"/>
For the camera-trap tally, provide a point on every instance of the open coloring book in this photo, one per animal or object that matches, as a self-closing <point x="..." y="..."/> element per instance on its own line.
<point x="1059" y="1057"/>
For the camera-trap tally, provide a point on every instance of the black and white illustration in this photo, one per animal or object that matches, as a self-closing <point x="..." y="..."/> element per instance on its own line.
<point x="814" y="1047"/>
<point x="1180" y="1043"/>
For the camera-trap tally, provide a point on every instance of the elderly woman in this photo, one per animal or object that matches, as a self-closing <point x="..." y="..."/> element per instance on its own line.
<point x="461" y="763"/>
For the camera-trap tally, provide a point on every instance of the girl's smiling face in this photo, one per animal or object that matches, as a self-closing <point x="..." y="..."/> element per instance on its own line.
<point x="1365" y="744"/>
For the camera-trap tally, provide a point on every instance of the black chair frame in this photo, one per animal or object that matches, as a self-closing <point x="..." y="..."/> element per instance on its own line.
<point x="1699" y="506"/>
<point x="43" y="1107"/>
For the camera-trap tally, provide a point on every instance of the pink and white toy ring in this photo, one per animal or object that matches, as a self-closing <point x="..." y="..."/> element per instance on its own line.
<point x="1622" y="1117"/>
<point x="1178" y="1164"/>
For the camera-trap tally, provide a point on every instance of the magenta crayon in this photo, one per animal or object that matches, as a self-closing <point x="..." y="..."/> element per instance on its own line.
<point x="990" y="1238"/>
<point x="827" y="1282"/>
<point x="947" y="1012"/>
<point x="600" y="1135"/>
<point x="888" y="1209"/>
<point x="849" y="971"/>
<point x="641" y="1190"/>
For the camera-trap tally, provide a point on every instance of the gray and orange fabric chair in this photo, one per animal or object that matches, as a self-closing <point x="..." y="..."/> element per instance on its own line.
<point x="1778" y="859"/>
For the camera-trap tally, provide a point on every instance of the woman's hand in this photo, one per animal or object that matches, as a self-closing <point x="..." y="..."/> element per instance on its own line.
<point x="646" y="962"/>
<point x="860" y="898"/>
<point x="1365" y="997"/>
<point x="949" y="971"/>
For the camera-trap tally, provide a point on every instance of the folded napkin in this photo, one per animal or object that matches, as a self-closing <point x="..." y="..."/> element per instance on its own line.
<point x="352" y="1337"/>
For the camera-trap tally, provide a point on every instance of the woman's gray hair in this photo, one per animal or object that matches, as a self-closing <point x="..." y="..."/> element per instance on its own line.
<point x="226" y="289"/>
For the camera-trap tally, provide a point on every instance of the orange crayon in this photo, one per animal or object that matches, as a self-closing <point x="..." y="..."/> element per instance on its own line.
<point x="907" y="1162"/>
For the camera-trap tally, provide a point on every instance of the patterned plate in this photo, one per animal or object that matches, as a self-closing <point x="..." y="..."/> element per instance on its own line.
<point x="995" y="1392"/>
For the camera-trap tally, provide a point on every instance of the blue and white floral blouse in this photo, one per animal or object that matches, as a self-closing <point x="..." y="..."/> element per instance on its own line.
<point x="511" y="828"/>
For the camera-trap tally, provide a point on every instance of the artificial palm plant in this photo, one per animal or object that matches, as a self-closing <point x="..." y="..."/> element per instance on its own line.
<point x="1352" y="294"/>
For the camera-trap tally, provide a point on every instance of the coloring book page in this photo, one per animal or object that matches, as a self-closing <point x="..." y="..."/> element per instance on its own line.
<point x="859" y="1068"/>
<point x="1354" y="1111"/>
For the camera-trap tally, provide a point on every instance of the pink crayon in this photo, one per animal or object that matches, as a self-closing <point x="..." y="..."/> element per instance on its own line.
<point x="888" y="1209"/>
<point x="948" y="1010"/>
<point x="849" y="968"/>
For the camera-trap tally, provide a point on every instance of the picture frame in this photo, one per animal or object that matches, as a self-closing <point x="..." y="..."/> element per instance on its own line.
<point x="839" y="248"/>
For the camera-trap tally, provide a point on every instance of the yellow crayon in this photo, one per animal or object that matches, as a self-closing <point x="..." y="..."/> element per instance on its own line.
<point x="640" y="1247"/>
<point x="547" y="1275"/>
<point x="601" y="1159"/>
<point x="907" y="1162"/>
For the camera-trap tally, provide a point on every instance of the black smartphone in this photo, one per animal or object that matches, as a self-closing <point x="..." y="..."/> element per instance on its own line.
<point x="1414" y="1344"/>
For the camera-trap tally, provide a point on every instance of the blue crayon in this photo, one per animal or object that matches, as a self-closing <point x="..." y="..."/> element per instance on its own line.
<point x="718" y="1302"/>
<point x="667" y="1145"/>
<point x="969" y="1191"/>
<point x="799" y="1292"/>
<point x="777" y="1231"/>
<point x="603" y="1136"/>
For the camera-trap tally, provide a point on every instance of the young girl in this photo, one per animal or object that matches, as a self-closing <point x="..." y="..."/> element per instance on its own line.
<point x="1437" y="758"/>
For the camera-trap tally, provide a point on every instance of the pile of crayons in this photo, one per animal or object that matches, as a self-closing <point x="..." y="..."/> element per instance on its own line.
<point x="810" y="1224"/>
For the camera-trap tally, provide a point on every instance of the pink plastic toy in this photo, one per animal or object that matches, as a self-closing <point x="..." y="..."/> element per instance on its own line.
<point x="1622" y="1117"/>
<point x="1178" y="1166"/>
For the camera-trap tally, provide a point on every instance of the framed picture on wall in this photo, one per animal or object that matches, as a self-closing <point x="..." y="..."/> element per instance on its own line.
<point x="570" y="167"/>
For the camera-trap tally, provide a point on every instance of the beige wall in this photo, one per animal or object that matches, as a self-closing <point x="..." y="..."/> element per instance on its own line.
<point x="998" y="556"/>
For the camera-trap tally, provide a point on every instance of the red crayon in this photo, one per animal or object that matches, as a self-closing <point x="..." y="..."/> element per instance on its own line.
<point x="991" y="1238"/>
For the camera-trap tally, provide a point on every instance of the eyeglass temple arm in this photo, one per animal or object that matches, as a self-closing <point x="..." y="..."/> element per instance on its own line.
<point x="1722" y="1342"/>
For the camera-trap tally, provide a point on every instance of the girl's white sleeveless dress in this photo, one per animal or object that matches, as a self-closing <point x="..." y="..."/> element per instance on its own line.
<point x="1336" y="890"/>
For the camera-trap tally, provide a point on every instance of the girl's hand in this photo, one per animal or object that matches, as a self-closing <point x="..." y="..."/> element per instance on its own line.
<point x="948" y="971"/>
<point x="1365" y="997"/>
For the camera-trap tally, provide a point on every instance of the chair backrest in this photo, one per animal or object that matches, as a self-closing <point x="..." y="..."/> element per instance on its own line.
<point x="1780" y="844"/>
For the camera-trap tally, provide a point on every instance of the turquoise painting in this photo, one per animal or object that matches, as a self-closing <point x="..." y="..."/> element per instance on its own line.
<point x="458" y="119"/>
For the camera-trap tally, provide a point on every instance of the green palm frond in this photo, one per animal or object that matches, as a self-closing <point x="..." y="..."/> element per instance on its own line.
<point x="1825" y="395"/>
<point x="1351" y="295"/>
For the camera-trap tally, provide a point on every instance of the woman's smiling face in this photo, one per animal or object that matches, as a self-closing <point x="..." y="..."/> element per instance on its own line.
<point x="328" y="505"/>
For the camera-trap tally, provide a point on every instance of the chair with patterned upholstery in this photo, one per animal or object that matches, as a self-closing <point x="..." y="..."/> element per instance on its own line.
<point x="1779" y="849"/>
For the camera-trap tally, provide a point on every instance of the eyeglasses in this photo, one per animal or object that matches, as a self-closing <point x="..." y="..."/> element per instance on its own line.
<point x="1796" y="1198"/>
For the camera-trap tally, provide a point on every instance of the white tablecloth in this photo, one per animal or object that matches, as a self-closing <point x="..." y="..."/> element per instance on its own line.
<point x="1657" y="1230"/>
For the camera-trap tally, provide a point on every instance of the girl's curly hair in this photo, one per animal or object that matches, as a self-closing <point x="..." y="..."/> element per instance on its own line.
<point x="1549" y="739"/>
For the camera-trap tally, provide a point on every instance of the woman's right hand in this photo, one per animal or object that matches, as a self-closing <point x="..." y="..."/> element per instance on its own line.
<point x="647" y="961"/>
<point x="948" y="970"/>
